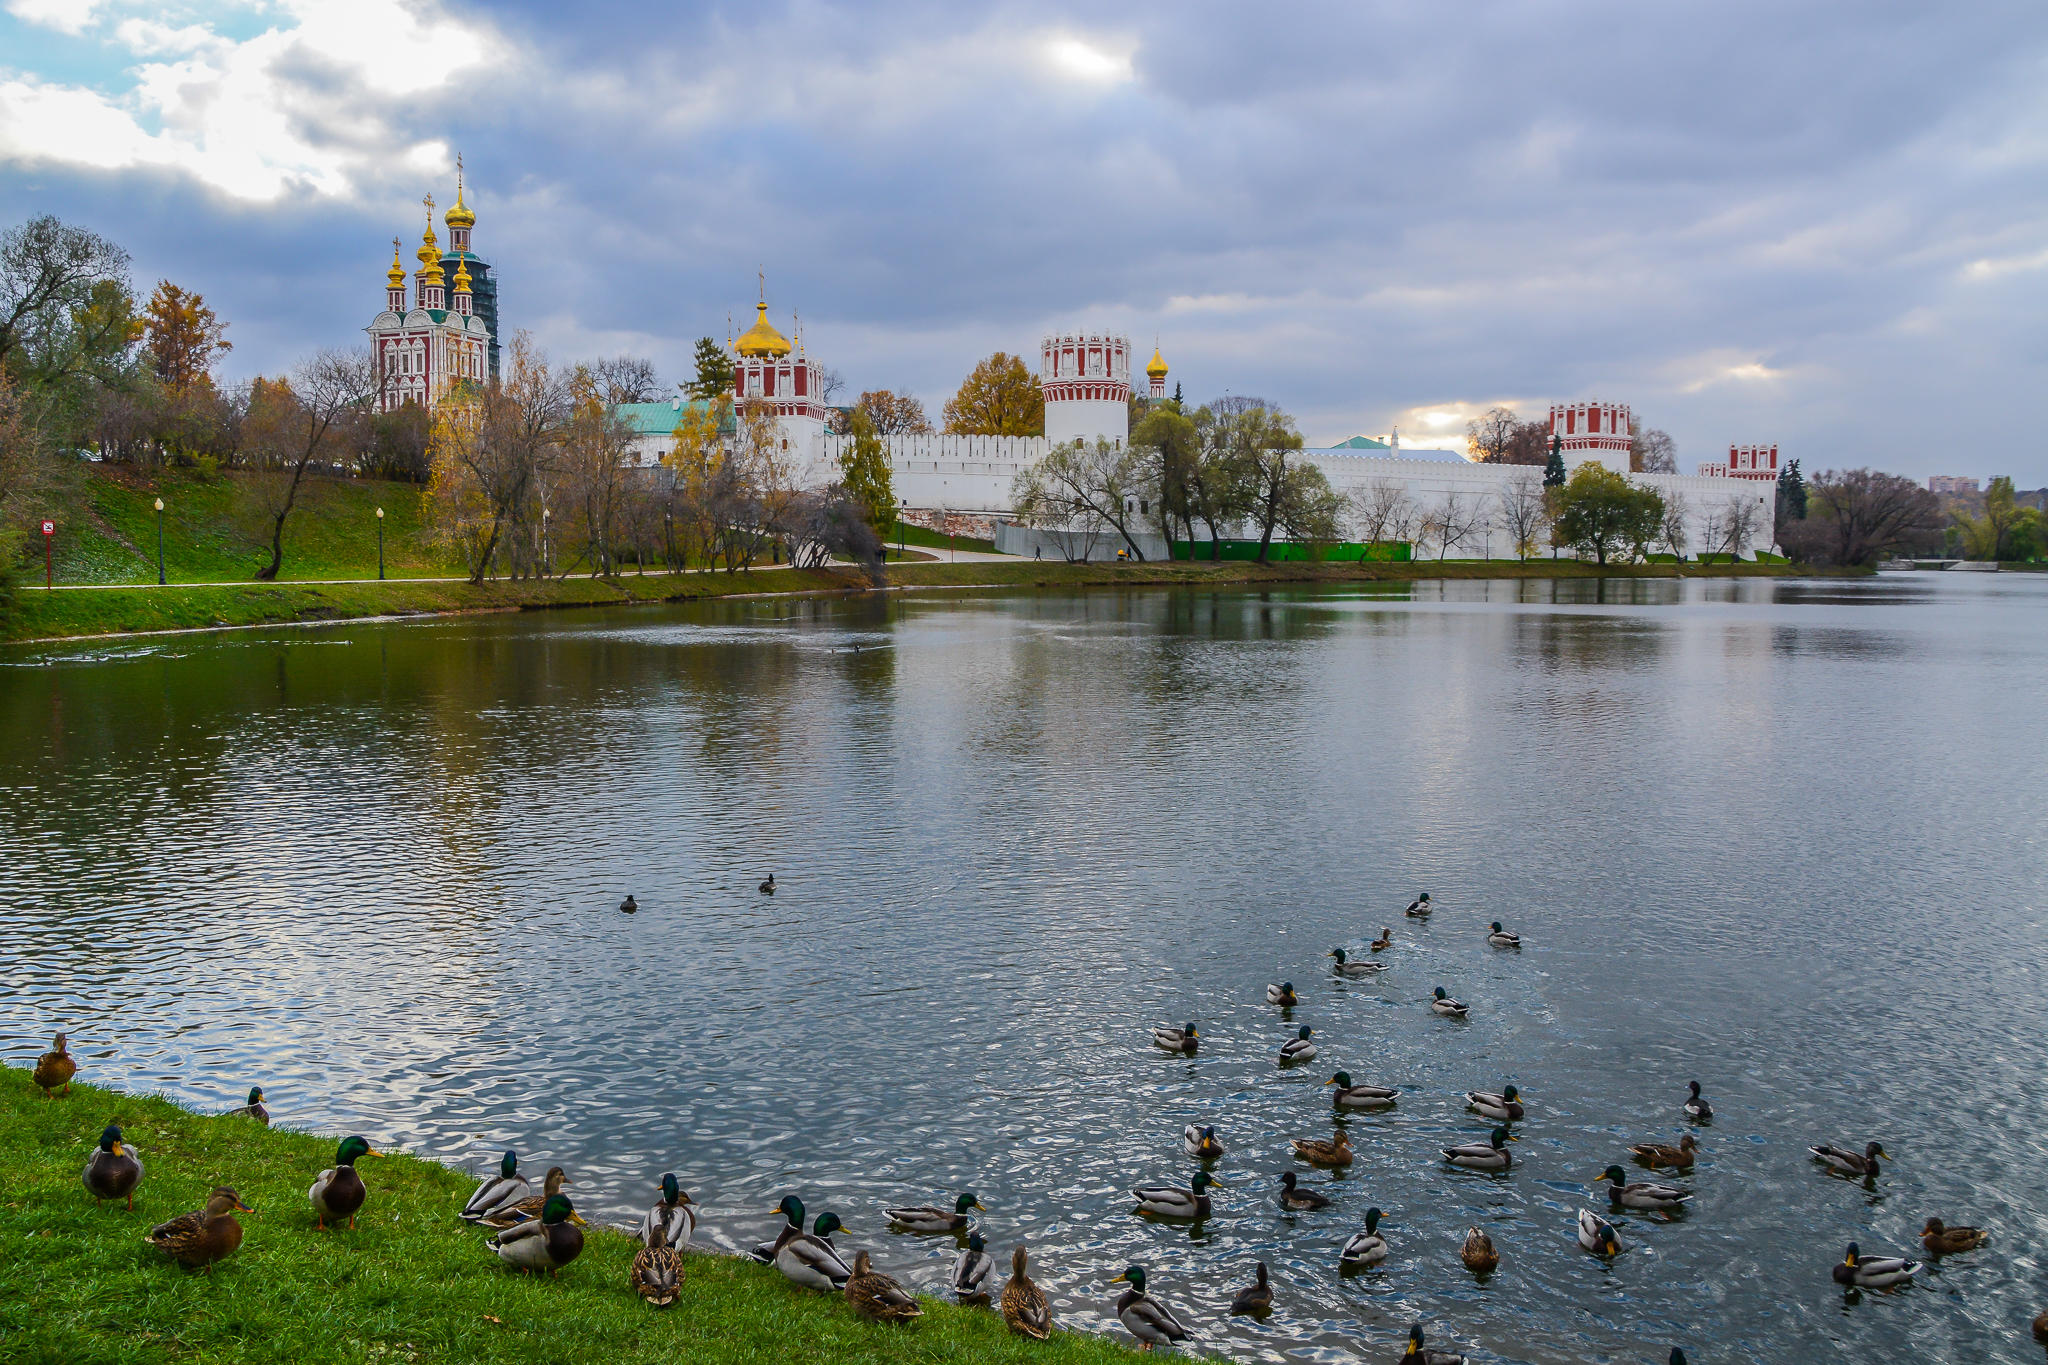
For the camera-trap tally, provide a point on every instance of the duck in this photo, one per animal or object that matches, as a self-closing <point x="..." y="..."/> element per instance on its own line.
<point x="877" y="1296"/>
<point x="1443" y="1003"/>
<point x="1642" y="1194"/>
<point x="1696" y="1107"/>
<point x="1677" y="1357"/>
<point x="196" y="1240"/>
<point x="1200" y="1142"/>
<point x="1183" y="1040"/>
<point x="1171" y="1201"/>
<point x="629" y="906"/>
<point x="811" y="1260"/>
<point x="768" y="887"/>
<point x="1147" y="1319"/>
<point x="1364" y="1248"/>
<point x="1344" y="966"/>
<point x="1942" y="1240"/>
<point x="1663" y="1156"/>
<point x="1298" y="1048"/>
<point x="672" y="1216"/>
<point x="1282" y="995"/>
<point x="1490" y="1155"/>
<point x="253" y="1109"/>
<point x="1843" y="1161"/>
<point x="1420" y="907"/>
<point x="1026" y="1310"/>
<point x="657" y="1274"/>
<point x="113" y="1170"/>
<point x="972" y="1271"/>
<point x="505" y="1188"/>
<point x="1296" y="1199"/>
<point x="1501" y="938"/>
<point x="338" y="1191"/>
<point x="546" y="1243"/>
<point x="2041" y="1327"/>
<point x="1597" y="1235"/>
<point x="56" y="1068"/>
<point x="1504" y="1107"/>
<point x="1325" y="1152"/>
<point x="792" y="1210"/>
<point x="1255" y="1299"/>
<point x="527" y="1209"/>
<point x="1418" y="1354"/>
<point x="929" y="1218"/>
<point x="1349" y="1096"/>
<point x="1478" y="1253"/>
<point x="1383" y="942"/>
<point x="1875" y="1272"/>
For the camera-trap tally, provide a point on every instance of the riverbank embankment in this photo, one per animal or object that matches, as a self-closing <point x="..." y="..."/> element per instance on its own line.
<point x="411" y="1282"/>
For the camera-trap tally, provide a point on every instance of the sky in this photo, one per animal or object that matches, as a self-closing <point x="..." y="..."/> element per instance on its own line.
<point x="1823" y="224"/>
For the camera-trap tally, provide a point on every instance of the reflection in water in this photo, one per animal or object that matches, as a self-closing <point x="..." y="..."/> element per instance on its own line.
<point x="1769" y="835"/>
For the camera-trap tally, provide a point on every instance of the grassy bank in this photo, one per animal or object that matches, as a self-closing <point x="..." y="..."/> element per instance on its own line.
<point x="411" y="1283"/>
<point x="40" y="615"/>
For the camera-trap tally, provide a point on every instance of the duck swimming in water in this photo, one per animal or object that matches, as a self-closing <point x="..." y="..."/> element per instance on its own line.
<point x="1420" y="907"/>
<point x="1696" y="1108"/>
<point x="1297" y="1199"/>
<point x="1171" y="1201"/>
<point x="1200" y="1142"/>
<point x="1660" y="1155"/>
<point x="1478" y="1253"/>
<point x="629" y="906"/>
<point x="1383" y="942"/>
<point x="1443" y="1003"/>
<point x="1364" y="1248"/>
<point x="1320" y="1152"/>
<point x="1501" y="938"/>
<point x="1349" y="1096"/>
<point x="1597" y="1235"/>
<point x="768" y="887"/>
<point x="1344" y="966"/>
<point x="1418" y="1354"/>
<point x="1182" y="1040"/>
<point x="1843" y="1161"/>
<point x="1490" y="1155"/>
<point x="1298" y="1048"/>
<point x="1505" y="1107"/>
<point x="1255" y="1299"/>
<point x="930" y="1218"/>
<point x="1876" y="1272"/>
<point x="1642" y="1194"/>
<point x="1942" y="1240"/>
<point x="1282" y="995"/>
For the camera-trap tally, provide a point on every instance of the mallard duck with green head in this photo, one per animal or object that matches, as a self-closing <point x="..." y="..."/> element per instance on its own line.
<point x="1181" y="1040"/>
<point x="1419" y="1354"/>
<point x="1598" y="1236"/>
<point x="1145" y="1317"/>
<point x="1026" y="1310"/>
<point x="1648" y="1195"/>
<point x="1353" y="968"/>
<point x="1504" y="1106"/>
<point x="1445" y="1004"/>
<point x="546" y="1243"/>
<point x="253" y="1109"/>
<point x="1360" y="1097"/>
<point x="1171" y="1201"/>
<point x="876" y="1296"/>
<point x="1200" y="1142"/>
<point x="1367" y="1248"/>
<point x="1501" y="938"/>
<point x="973" y="1271"/>
<point x="114" y="1169"/>
<point x="672" y="1216"/>
<point x="810" y="1260"/>
<point x="930" y="1218"/>
<point x="337" y="1192"/>
<point x="1420" y="907"/>
<point x="1857" y="1271"/>
<point x="1864" y="1165"/>
<point x="1298" y="1049"/>
<point x="497" y="1192"/>
<point x="197" y="1240"/>
<point x="1282" y="995"/>
<point x="1490" y="1155"/>
<point x="528" y="1209"/>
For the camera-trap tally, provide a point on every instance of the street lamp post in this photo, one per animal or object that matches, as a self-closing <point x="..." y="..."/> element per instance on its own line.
<point x="380" y="544"/>
<point x="159" y="542"/>
<point x="546" y="555"/>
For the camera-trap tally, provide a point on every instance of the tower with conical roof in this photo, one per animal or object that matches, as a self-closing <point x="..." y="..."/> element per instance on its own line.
<point x="461" y="221"/>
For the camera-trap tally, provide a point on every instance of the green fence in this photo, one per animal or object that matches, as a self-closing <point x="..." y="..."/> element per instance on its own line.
<point x="1292" y="552"/>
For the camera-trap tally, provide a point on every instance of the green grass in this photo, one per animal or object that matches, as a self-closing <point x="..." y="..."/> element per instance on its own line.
<point x="411" y="1283"/>
<point x="903" y="533"/>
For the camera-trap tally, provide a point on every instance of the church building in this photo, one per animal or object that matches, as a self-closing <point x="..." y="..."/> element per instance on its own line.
<point x="448" y="336"/>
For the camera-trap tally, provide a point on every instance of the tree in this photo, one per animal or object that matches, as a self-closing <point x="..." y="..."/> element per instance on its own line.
<point x="1856" y="516"/>
<point x="625" y="379"/>
<point x="1175" y="450"/>
<point x="1219" y="479"/>
<point x="1086" y="486"/>
<point x="590" y="457"/>
<point x="1651" y="451"/>
<point x="1453" y="521"/>
<point x="1791" y="497"/>
<point x="864" y="473"/>
<point x="1734" y="527"/>
<point x="1488" y="435"/>
<point x="714" y="371"/>
<point x="1524" y="512"/>
<point x="182" y="336"/>
<point x="1672" y="530"/>
<point x="893" y="414"/>
<point x="696" y="452"/>
<point x="2006" y="531"/>
<point x="1553" y="465"/>
<point x="486" y="495"/>
<point x="1377" y="509"/>
<point x="999" y="397"/>
<point x="48" y="271"/>
<point x="1600" y="511"/>
<point x="1528" y="444"/>
<point x="298" y="419"/>
<point x="831" y="523"/>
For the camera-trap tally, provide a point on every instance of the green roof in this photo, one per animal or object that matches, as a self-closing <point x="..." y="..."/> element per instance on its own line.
<point x="656" y="419"/>
<point x="1360" y="443"/>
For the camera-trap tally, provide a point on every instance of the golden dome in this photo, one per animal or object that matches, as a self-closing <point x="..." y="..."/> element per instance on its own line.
<point x="460" y="216"/>
<point x="396" y="275"/>
<point x="1157" y="367"/>
<point x="762" y="339"/>
<point x="430" y="256"/>
<point x="461" y="275"/>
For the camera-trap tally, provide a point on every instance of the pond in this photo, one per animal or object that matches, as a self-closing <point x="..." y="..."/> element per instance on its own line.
<point x="1783" y="838"/>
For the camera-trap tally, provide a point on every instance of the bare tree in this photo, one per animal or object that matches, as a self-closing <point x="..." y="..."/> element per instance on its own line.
<point x="591" y="460"/>
<point x="1672" y="529"/>
<point x="304" y="417"/>
<point x="1524" y="512"/>
<point x="485" y="491"/>
<point x="1453" y="521"/>
<point x="626" y="379"/>
<point x="1085" y="485"/>
<point x="1529" y="444"/>
<point x="1651" y="451"/>
<point x="830" y="523"/>
<point x="1738" y="526"/>
<point x="1488" y="435"/>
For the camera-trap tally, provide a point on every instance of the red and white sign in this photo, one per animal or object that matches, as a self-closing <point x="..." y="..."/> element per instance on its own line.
<point x="49" y="528"/>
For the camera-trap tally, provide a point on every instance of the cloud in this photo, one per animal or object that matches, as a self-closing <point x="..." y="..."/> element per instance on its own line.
<point x="65" y="16"/>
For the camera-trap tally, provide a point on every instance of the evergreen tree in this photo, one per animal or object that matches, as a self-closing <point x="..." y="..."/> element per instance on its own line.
<point x="1791" y="494"/>
<point x="1553" y="469"/>
<point x="864" y="469"/>
<point x="1176" y="396"/>
<point x="714" y="371"/>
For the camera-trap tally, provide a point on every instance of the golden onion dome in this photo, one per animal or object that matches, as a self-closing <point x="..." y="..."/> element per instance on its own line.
<point x="430" y="257"/>
<point x="762" y="339"/>
<point x="460" y="216"/>
<point x="396" y="275"/>
<point x="461" y="275"/>
<point x="1157" y="368"/>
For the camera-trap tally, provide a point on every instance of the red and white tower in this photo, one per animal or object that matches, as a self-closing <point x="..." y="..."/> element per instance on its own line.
<point x="1590" y="431"/>
<point x="1086" y="380"/>
<point x="1746" y="462"/>
<point x="789" y="386"/>
<point x="1155" y="371"/>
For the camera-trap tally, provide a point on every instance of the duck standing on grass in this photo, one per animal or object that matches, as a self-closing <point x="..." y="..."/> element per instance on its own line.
<point x="1349" y="1096"/>
<point x="1365" y="1248"/>
<point x="196" y="1240"/>
<point x="527" y="1209"/>
<point x="878" y="1297"/>
<point x="929" y="1218"/>
<point x="1875" y="1272"/>
<point x="500" y="1191"/>
<point x="548" y="1243"/>
<point x="1298" y="1049"/>
<point x="1025" y="1308"/>
<point x="1182" y="1040"/>
<point x="973" y="1269"/>
<point x="338" y="1191"/>
<point x="56" y="1068"/>
<point x="1255" y="1299"/>
<point x="113" y="1170"/>
<point x="1147" y="1319"/>
<point x="657" y="1273"/>
<point x="812" y="1261"/>
<point x="1478" y="1253"/>
<point x="253" y="1109"/>
<point x="1943" y="1240"/>
<point x="792" y="1210"/>
<point x="672" y="1216"/>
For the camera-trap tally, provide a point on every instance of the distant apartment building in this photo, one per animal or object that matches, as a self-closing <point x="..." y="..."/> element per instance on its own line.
<point x="1947" y="484"/>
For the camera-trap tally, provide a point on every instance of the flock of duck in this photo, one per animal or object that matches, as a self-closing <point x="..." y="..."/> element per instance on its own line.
<point x="540" y="1231"/>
